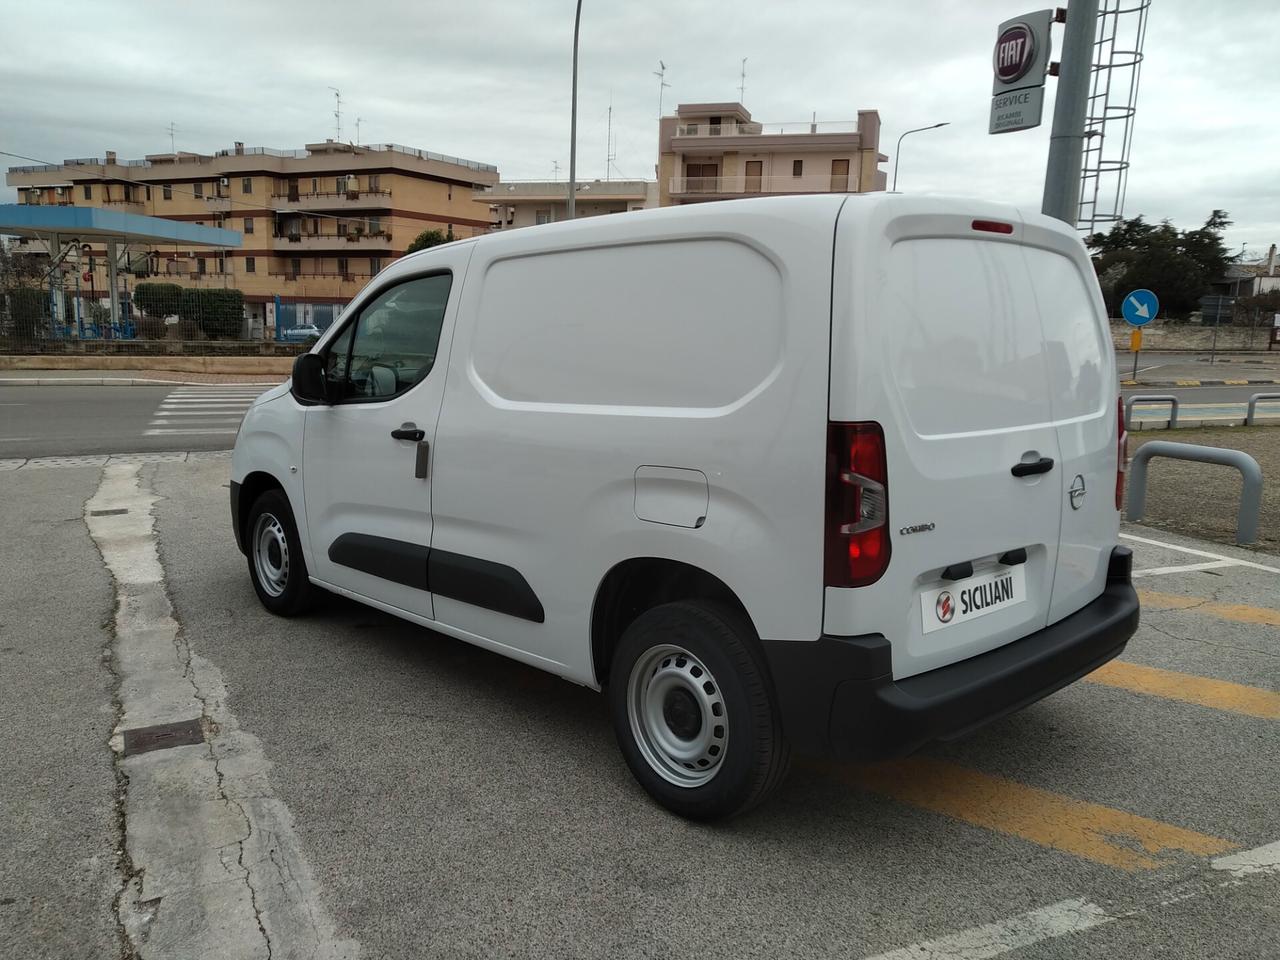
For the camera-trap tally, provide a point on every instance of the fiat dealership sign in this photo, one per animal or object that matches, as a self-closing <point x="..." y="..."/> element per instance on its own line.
<point x="1019" y="63"/>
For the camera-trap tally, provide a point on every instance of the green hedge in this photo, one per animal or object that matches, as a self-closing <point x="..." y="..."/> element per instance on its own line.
<point x="218" y="313"/>
<point x="28" y="310"/>
<point x="157" y="299"/>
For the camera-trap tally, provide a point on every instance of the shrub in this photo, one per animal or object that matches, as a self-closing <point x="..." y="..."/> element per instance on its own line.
<point x="28" y="311"/>
<point x="157" y="299"/>
<point x="219" y="313"/>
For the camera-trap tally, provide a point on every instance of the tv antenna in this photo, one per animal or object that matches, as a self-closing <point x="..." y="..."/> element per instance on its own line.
<point x="359" y="120"/>
<point x="555" y="169"/>
<point x="609" y="155"/>
<point x="742" y="85"/>
<point x="661" y="74"/>
<point x="172" y="130"/>
<point x="337" y="113"/>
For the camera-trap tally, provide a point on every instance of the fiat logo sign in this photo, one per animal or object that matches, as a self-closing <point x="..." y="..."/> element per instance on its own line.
<point x="1015" y="51"/>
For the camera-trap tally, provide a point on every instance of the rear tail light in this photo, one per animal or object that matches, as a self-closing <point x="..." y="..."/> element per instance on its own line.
<point x="857" y="514"/>
<point x="1122" y="452"/>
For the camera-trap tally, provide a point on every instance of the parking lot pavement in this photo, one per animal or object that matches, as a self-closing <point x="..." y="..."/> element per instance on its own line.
<point x="441" y="801"/>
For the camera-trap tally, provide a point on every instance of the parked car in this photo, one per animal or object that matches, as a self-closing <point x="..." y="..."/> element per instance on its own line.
<point x="833" y="474"/>
<point x="301" y="332"/>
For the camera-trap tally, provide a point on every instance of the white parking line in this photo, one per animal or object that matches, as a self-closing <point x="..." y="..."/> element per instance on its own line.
<point x="1200" y="553"/>
<point x="1185" y="568"/>
<point x="1070" y="916"/>
<point x="161" y="431"/>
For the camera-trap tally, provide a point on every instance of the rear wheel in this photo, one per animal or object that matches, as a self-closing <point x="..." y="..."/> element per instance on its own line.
<point x="693" y="713"/>
<point x="276" y="566"/>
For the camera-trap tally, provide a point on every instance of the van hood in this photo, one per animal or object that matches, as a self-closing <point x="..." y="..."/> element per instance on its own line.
<point x="274" y="392"/>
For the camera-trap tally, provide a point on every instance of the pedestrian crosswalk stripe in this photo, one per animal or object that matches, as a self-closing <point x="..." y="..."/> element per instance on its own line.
<point x="1187" y="688"/>
<point x="1237" y="612"/>
<point x="1090" y="831"/>
<point x="206" y="411"/>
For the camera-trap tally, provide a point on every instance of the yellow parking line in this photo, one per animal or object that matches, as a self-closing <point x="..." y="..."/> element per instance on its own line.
<point x="1102" y="834"/>
<point x="1238" y="612"/>
<point x="1218" y="694"/>
<point x="1188" y="383"/>
<point x="1235" y="383"/>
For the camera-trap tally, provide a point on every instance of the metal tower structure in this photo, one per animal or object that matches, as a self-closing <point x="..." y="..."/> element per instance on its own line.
<point x="1109" y="117"/>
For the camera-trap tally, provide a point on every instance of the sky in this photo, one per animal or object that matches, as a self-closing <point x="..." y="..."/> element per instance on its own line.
<point x="490" y="81"/>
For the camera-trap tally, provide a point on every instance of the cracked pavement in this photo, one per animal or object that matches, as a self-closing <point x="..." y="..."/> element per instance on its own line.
<point x="369" y="788"/>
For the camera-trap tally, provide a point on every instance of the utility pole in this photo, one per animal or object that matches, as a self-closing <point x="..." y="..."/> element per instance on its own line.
<point x="573" y="119"/>
<point x="1066" y="139"/>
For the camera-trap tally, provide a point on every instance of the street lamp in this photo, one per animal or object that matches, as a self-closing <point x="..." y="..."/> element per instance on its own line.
<point x="898" y="152"/>
<point x="573" y="118"/>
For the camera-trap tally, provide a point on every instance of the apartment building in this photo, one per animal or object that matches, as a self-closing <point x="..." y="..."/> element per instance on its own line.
<point x="525" y="203"/>
<point x="716" y="151"/>
<point x="317" y="222"/>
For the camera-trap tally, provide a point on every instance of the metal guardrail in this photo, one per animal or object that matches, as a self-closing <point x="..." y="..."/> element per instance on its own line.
<point x="1250" y="472"/>
<point x="1151" y="398"/>
<point x="1253" y="405"/>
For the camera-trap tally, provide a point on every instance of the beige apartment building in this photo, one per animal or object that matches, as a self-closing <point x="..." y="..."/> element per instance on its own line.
<point x="716" y="151"/>
<point x="317" y="223"/>
<point x="525" y="203"/>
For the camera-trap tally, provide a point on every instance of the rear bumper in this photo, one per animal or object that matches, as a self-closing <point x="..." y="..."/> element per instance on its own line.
<point x="837" y="696"/>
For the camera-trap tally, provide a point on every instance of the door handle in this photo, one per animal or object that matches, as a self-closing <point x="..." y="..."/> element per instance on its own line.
<point x="1043" y="465"/>
<point x="408" y="431"/>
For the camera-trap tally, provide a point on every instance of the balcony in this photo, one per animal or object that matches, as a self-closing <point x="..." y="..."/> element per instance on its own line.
<point x="351" y="241"/>
<point x="734" y="128"/>
<point x="347" y="200"/>
<point x="741" y="185"/>
<point x="124" y="206"/>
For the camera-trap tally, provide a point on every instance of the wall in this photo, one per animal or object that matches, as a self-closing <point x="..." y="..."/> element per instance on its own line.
<point x="1186" y="336"/>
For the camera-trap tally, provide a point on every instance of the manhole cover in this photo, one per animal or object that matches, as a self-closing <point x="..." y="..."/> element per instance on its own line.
<point x="162" y="736"/>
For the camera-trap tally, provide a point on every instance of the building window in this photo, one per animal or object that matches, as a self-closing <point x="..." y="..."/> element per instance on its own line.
<point x="542" y="216"/>
<point x="797" y="168"/>
<point x="201" y="267"/>
<point x="315" y="184"/>
<point x="248" y="224"/>
<point x="375" y="182"/>
<point x="341" y="183"/>
<point x="222" y="265"/>
<point x="88" y="191"/>
<point x="128" y="193"/>
<point x="250" y="265"/>
<point x="342" y="228"/>
<point x="198" y="189"/>
<point x="167" y="191"/>
<point x="147" y="193"/>
<point x="375" y="224"/>
<point x="295" y="266"/>
<point x="246" y="184"/>
<point x="342" y="266"/>
<point x="375" y="265"/>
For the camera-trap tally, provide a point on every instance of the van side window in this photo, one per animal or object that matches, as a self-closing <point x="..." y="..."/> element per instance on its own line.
<point x="391" y="345"/>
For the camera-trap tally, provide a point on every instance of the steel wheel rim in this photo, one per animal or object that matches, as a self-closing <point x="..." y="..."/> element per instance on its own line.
<point x="678" y="716"/>
<point x="271" y="555"/>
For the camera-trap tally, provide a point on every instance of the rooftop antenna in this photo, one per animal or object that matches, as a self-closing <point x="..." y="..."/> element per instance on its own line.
<point x="742" y="85"/>
<point x="172" y="130"/>
<point x="661" y="74"/>
<point x="337" y="112"/>
<point x="555" y="169"/>
<point x="358" y="122"/>
<point x="609" y="155"/>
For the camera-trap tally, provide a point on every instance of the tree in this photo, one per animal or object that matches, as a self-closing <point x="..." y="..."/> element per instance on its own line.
<point x="429" y="238"/>
<point x="1178" y="265"/>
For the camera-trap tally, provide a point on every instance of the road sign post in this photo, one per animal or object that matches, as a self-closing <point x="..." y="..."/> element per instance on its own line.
<point x="1138" y="308"/>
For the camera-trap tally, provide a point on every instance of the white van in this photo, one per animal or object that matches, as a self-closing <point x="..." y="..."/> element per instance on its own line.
<point x="838" y="474"/>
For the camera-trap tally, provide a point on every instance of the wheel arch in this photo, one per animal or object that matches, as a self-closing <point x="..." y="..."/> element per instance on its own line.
<point x="640" y="583"/>
<point x="248" y="490"/>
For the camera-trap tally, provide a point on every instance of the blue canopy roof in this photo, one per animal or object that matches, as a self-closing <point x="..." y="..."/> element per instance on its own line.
<point x="93" y="223"/>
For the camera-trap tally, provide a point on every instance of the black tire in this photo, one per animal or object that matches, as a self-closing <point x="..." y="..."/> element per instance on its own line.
<point x="756" y="755"/>
<point x="293" y="593"/>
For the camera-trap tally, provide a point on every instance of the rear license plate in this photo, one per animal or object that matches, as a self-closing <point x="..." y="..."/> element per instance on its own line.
<point x="972" y="598"/>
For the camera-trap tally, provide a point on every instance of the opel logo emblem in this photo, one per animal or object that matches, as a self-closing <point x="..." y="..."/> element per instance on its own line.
<point x="945" y="607"/>
<point x="1076" y="493"/>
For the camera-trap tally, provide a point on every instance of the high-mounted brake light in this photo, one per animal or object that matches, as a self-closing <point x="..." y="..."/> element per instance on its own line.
<point x="993" y="226"/>
<point x="1122" y="452"/>
<point x="857" y="508"/>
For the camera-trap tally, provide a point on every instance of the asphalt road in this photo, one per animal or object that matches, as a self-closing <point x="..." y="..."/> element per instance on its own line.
<point x="42" y="421"/>
<point x="451" y="803"/>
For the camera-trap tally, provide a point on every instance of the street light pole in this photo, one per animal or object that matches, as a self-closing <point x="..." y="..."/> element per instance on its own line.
<point x="898" y="152"/>
<point x="573" y="119"/>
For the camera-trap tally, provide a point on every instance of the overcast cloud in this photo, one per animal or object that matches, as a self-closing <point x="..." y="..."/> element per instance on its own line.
<point x="489" y="81"/>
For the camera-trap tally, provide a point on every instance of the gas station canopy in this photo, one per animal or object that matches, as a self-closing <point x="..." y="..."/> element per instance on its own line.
<point x="85" y="224"/>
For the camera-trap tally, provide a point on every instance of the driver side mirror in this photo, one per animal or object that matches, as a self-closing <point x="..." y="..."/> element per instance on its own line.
<point x="309" y="384"/>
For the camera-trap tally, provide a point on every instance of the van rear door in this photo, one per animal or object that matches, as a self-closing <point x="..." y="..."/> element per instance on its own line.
<point x="1082" y="379"/>
<point x="937" y="336"/>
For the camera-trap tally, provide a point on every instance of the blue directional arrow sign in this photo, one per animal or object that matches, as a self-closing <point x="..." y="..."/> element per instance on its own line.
<point x="1140" y="308"/>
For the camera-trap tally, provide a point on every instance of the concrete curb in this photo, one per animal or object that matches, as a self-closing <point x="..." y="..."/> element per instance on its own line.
<point x="129" y="382"/>
<point x="1198" y="383"/>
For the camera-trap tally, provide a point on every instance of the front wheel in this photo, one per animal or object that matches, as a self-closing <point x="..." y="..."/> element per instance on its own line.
<point x="276" y="566"/>
<point x="693" y="713"/>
